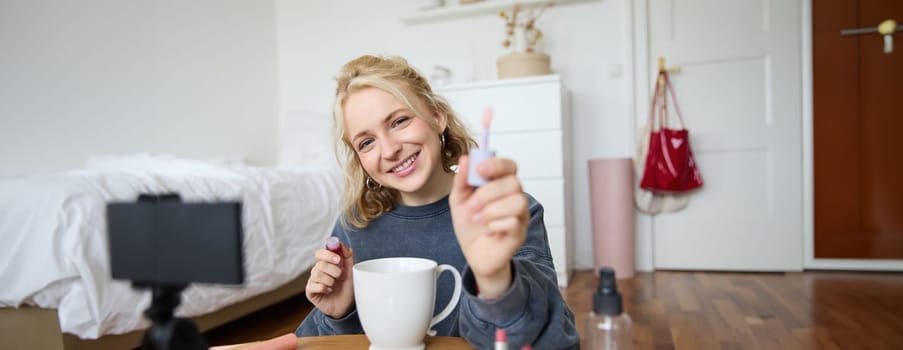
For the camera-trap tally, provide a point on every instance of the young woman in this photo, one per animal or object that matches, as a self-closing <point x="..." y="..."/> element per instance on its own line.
<point x="401" y="198"/>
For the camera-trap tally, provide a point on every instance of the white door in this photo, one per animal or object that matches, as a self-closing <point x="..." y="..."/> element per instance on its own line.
<point x="739" y="89"/>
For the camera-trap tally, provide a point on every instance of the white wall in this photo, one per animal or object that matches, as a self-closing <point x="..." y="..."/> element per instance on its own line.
<point x="585" y="40"/>
<point x="188" y="78"/>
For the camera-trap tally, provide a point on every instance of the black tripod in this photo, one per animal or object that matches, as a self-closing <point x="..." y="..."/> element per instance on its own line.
<point x="162" y="244"/>
<point x="169" y="332"/>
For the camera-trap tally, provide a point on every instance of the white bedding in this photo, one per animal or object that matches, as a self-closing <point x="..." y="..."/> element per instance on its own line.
<point x="54" y="243"/>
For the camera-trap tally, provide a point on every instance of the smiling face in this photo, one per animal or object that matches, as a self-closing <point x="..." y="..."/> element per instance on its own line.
<point x="395" y="147"/>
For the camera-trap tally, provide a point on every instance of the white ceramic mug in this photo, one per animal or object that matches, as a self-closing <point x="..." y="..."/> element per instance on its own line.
<point x="395" y="299"/>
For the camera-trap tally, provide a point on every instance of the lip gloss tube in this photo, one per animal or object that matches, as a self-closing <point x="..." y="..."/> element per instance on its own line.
<point x="481" y="153"/>
<point x="334" y="245"/>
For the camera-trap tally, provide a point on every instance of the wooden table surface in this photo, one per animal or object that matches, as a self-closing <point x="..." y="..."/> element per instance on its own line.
<point x="359" y="342"/>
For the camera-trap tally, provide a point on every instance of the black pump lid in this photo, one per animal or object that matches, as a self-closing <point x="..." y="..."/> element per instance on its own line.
<point x="607" y="300"/>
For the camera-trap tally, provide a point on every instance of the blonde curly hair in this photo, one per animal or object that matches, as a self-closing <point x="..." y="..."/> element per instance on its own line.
<point x="362" y="203"/>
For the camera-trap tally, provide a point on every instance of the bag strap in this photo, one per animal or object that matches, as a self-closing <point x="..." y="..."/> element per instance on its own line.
<point x="656" y="96"/>
<point x="673" y="98"/>
<point x="660" y="100"/>
<point x="662" y="83"/>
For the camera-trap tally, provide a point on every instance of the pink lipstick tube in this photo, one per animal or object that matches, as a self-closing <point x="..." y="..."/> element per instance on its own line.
<point x="334" y="245"/>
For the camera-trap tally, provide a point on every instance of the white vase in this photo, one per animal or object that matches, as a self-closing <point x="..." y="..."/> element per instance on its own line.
<point x="519" y="39"/>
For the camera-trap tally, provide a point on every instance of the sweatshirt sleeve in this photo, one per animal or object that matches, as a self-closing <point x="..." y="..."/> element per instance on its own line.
<point x="532" y="311"/>
<point x="316" y="323"/>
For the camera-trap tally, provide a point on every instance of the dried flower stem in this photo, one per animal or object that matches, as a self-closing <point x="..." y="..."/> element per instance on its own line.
<point x="533" y="34"/>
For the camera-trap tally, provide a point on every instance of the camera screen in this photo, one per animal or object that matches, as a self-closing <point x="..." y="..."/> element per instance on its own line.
<point x="167" y="241"/>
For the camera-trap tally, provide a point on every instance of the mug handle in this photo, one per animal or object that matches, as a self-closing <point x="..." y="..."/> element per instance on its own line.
<point x="451" y="303"/>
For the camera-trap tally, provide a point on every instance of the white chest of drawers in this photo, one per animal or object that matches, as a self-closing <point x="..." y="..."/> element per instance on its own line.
<point x="531" y="126"/>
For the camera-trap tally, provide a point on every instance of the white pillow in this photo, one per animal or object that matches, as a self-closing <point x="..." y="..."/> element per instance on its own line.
<point x="157" y="163"/>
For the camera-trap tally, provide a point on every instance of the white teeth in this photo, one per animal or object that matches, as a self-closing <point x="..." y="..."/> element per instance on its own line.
<point x="405" y="165"/>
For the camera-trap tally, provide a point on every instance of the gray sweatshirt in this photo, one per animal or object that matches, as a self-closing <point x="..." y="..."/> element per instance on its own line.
<point x="532" y="311"/>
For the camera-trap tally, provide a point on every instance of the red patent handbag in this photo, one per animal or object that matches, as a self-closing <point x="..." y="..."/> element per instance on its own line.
<point x="670" y="166"/>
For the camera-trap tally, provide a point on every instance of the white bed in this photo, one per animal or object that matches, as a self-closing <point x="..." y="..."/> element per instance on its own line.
<point x="54" y="251"/>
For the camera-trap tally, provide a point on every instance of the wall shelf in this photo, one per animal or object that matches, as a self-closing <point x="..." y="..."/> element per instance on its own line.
<point x="455" y="10"/>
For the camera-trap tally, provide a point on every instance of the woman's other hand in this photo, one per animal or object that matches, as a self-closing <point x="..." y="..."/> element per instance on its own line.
<point x="329" y="287"/>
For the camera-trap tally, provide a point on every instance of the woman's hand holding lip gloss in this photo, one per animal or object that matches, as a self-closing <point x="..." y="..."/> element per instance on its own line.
<point x="489" y="214"/>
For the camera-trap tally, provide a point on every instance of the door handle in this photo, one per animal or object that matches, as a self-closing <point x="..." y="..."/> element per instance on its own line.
<point x="885" y="28"/>
<point x="869" y="30"/>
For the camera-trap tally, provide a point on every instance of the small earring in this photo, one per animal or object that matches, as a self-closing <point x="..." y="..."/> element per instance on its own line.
<point x="369" y="183"/>
<point x="442" y="140"/>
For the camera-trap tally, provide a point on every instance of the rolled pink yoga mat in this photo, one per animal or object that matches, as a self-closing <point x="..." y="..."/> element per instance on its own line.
<point x="611" y="200"/>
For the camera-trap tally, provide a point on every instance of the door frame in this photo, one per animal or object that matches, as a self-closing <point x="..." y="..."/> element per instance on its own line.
<point x="637" y="108"/>
<point x="637" y="40"/>
<point x="810" y="261"/>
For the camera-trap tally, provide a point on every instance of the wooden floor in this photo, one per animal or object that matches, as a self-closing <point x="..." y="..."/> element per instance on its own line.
<point x="706" y="310"/>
